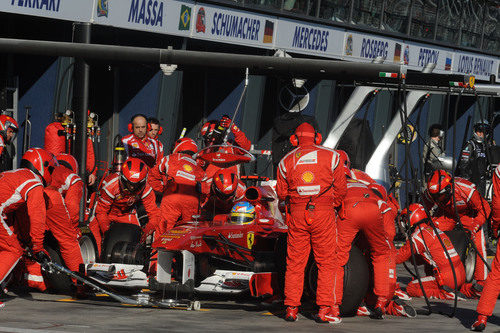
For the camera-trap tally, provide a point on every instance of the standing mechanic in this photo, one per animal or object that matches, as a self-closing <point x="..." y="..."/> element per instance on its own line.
<point x="18" y="188"/>
<point x="472" y="210"/>
<point x="118" y="196"/>
<point x="138" y="144"/>
<point x="155" y="130"/>
<point x="311" y="180"/>
<point x="491" y="288"/>
<point x="57" y="142"/>
<point x="427" y="246"/>
<point x="8" y="130"/>
<point x="181" y="199"/>
<point x="473" y="164"/>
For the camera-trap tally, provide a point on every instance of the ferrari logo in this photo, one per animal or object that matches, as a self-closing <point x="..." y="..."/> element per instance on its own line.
<point x="307" y="176"/>
<point x="187" y="168"/>
<point x="250" y="239"/>
<point x="297" y="154"/>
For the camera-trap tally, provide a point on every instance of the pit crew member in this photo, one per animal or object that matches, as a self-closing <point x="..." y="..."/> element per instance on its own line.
<point x="312" y="181"/>
<point x="8" y="131"/>
<point x="155" y="130"/>
<point x="137" y="144"/>
<point x="225" y="190"/>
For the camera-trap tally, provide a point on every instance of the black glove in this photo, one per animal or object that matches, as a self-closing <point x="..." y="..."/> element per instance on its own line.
<point x="61" y="133"/>
<point x="41" y="257"/>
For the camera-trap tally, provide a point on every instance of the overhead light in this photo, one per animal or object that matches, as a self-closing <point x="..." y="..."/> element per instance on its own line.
<point x="168" y="69"/>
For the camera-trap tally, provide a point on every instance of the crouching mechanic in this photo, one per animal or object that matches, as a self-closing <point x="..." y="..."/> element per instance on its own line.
<point x="472" y="210"/>
<point x="24" y="188"/>
<point x="176" y="176"/>
<point x="491" y="288"/>
<point x="361" y="212"/>
<point x="311" y="180"/>
<point x="426" y="245"/>
<point x="118" y="196"/>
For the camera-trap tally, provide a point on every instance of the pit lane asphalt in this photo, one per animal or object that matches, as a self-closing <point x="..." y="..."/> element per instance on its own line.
<point x="39" y="312"/>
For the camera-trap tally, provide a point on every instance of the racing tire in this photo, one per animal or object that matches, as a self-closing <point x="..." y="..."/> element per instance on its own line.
<point x="465" y="251"/>
<point x="56" y="282"/>
<point x="119" y="232"/>
<point x="88" y="248"/>
<point x="356" y="279"/>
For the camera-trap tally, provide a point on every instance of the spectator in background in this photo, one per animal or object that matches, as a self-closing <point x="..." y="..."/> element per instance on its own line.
<point x="432" y="150"/>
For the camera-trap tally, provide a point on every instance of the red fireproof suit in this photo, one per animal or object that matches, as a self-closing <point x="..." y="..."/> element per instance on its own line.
<point x="70" y="185"/>
<point x="180" y="198"/>
<point x="314" y="182"/>
<point x="362" y="211"/>
<point x="118" y="206"/>
<point x="55" y="143"/>
<point x="146" y="149"/>
<point x="20" y="188"/>
<point x="491" y="288"/>
<point x="427" y="246"/>
<point x="473" y="210"/>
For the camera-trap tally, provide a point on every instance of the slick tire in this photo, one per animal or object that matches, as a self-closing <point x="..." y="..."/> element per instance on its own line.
<point x="119" y="232"/>
<point x="466" y="252"/>
<point x="88" y="248"/>
<point x="356" y="278"/>
<point x="56" y="282"/>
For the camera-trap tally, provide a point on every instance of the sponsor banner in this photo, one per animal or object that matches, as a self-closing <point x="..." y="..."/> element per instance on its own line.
<point x="417" y="56"/>
<point x="161" y="16"/>
<point x="308" y="38"/>
<point x="72" y="10"/>
<point x="365" y="48"/>
<point x="233" y="26"/>
<point x="479" y="66"/>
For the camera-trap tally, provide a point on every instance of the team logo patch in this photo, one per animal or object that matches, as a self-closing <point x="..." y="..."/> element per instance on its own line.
<point x="187" y="168"/>
<point x="250" y="239"/>
<point x="135" y="145"/>
<point x="102" y="8"/>
<point x="447" y="242"/>
<point x="308" y="176"/>
<point x="297" y="154"/>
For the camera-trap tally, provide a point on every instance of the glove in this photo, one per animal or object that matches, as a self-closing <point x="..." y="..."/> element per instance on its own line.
<point x="41" y="257"/>
<point x="146" y="232"/>
<point x="226" y="121"/>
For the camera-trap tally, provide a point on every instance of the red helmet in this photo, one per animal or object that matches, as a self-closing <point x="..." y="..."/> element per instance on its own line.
<point x="186" y="146"/>
<point x="134" y="175"/>
<point x="68" y="161"/>
<point x="439" y="186"/>
<point x="212" y="133"/>
<point x="225" y="183"/>
<point x="347" y="162"/>
<point x="40" y="162"/>
<point x="8" y="122"/>
<point x="417" y="213"/>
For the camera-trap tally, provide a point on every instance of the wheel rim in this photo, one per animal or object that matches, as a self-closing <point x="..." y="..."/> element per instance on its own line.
<point x="470" y="264"/>
<point x="88" y="250"/>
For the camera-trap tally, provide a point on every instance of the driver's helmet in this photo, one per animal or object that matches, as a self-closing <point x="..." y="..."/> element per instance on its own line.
<point x="439" y="186"/>
<point x="134" y="175"/>
<point x="242" y="213"/>
<point x="225" y="183"/>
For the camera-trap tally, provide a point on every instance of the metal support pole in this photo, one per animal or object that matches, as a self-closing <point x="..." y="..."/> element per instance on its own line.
<point x="80" y="106"/>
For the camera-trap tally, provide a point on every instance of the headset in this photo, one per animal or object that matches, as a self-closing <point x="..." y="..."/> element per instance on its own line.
<point x="130" y="126"/>
<point x="294" y="139"/>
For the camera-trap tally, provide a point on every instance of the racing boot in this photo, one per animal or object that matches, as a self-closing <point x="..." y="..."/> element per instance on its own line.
<point x="379" y="309"/>
<point x="398" y="307"/>
<point x="401" y="294"/>
<point x="291" y="313"/>
<point x="448" y="293"/>
<point x="329" y="314"/>
<point x="480" y="324"/>
<point x="363" y="311"/>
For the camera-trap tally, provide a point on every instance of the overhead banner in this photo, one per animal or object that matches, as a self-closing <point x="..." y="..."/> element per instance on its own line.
<point x="161" y="16"/>
<point x="479" y="66"/>
<point x="308" y="38"/>
<point x="233" y="26"/>
<point x="72" y="10"/>
<point x="365" y="48"/>
<point x="417" y="56"/>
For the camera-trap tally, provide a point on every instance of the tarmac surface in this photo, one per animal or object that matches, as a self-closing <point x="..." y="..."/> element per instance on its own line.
<point x="41" y="312"/>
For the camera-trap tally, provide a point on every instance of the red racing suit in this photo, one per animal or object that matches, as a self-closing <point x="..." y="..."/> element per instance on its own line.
<point x="473" y="210"/>
<point x="491" y="288"/>
<point x="146" y="149"/>
<point x="118" y="206"/>
<point x="70" y="185"/>
<point x="180" y="199"/>
<point x="55" y="143"/>
<point x="362" y="211"/>
<point x="427" y="246"/>
<point x="312" y="180"/>
<point x="19" y="188"/>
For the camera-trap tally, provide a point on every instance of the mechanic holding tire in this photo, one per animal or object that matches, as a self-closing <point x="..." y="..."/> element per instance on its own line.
<point x="311" y="180"/>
